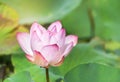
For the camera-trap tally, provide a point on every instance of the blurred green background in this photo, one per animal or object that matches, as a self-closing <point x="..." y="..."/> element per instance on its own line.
<point x="96" y="58"/>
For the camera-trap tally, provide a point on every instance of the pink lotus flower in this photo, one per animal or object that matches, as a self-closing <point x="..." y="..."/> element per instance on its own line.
<point x="46" y="47"/>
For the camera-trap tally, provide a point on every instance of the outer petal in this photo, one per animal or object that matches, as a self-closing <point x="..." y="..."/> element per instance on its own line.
<point x="58" y="63"/>
<point x="36" y="43"/>
<point x="71" y="38"/>
<point x="29" y="57"/>
<point x="24" y="41"/>
<point x="55" y="27"/>
<point x="38" y="28"/>
<point x="39" y="59"/>
<point x="51" y="53"/>
<point x="67" y="48"/>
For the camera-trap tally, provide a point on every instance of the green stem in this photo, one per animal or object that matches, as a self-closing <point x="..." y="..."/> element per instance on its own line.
<point x="47" y="75"/>
<point x="92" y="26"/>
<point x="92" y="22"/>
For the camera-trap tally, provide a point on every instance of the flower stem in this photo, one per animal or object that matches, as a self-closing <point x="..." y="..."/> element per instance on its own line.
<point x="47" y="75"/>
